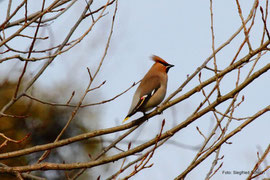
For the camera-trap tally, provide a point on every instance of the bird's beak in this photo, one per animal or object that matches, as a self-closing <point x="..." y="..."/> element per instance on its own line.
<point x="168" y="67"/>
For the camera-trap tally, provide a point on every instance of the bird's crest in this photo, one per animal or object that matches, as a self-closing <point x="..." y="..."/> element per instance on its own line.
<point x="159" y="60"/>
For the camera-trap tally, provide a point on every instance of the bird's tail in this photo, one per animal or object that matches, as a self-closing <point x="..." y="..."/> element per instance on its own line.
<point x="125" y="119"/>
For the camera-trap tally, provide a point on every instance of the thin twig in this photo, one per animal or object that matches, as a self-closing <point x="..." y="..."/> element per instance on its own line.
<point x="244" y="25"/>
<point x="267" y="150"/>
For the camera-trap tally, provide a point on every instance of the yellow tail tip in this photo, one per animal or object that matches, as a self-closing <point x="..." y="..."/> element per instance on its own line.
<point x="125" y="119"/>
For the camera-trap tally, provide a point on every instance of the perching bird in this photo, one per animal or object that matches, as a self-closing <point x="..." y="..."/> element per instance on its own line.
<point x="152" y="88"/>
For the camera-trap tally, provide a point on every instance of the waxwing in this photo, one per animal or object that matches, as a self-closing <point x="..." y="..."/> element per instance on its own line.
<point x="152" y="88"/>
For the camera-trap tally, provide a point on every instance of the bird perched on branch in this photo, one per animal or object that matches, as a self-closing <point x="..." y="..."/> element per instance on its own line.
<point x="152" y="88"/>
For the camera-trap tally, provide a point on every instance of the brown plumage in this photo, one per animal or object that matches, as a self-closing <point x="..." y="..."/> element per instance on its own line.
<point x="152" y="88"/>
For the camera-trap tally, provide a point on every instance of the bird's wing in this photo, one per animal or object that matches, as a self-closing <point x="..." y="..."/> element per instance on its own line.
<point x="142" y="101"/>
<point x="142" y="96"/>
<point x="150" y="85"/>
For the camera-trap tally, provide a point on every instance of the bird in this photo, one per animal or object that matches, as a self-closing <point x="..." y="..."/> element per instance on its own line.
<point x="152" y="89"/>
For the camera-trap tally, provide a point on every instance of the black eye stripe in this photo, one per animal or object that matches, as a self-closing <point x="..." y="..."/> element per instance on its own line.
<point x="165" y="64"/>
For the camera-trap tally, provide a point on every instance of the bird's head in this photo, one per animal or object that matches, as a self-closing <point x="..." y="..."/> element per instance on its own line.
<point x="159" y="60"/>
